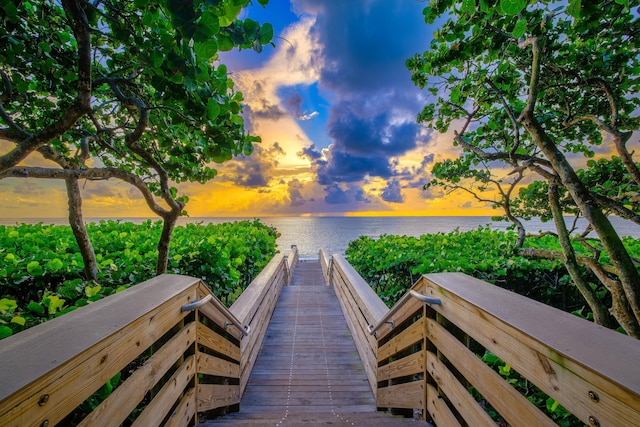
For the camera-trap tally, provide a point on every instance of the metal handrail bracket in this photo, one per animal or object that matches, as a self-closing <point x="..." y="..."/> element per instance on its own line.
<point x="224" y="310"/>
<point x="395" y="308"/>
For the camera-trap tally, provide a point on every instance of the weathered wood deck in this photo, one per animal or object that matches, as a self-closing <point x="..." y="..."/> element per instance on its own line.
<point x="308" y="370"/>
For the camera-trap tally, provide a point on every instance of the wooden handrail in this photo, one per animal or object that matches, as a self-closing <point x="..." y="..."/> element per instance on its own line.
<point x="590" y="370"/>
<point x="361" y="307"/>
<point x="190" y="361"/>
<point x="254" y="307"/>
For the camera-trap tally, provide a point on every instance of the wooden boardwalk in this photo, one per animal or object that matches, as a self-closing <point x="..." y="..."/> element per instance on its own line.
<point x="308" y="370"/>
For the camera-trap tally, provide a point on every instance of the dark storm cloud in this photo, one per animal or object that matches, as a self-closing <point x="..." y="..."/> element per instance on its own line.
<point x="365" y="46"/>
<point x="253" y="171"/>
<point x="361" y="196"/>
<point x="392" y="192"/>
<point x="335" y="195"/>
<point x="294" y="193"/>
<point x="267" y="111"/>
<point x="310" y="153"/>
<point x="346" y="167"/>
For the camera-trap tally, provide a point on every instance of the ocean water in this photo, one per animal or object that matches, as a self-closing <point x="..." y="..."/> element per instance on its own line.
<point x="310" y="234"/>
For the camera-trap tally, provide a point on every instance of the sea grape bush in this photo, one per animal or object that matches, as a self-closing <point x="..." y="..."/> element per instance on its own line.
<point x="391" y="264"/>
<point x="41" y="268"/>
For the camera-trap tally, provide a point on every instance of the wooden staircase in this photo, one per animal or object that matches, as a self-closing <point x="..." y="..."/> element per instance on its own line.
<point x="308" y="370"/>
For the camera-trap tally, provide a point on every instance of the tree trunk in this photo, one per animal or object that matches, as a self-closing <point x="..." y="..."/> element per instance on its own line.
<point x="79" y="231"/>
<point x="168" y="224"/>
<point x="601" y="315"/>
<point x="627" y="288"/>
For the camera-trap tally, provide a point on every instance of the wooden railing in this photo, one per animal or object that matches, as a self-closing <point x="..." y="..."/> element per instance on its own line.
<point x="166" y="364"/>
<point x="429" y="357"/>
<point x="361" y="306"/>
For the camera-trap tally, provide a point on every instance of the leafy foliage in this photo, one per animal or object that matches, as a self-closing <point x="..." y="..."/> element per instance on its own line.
<point x="124" y="89"/>
<point x="40" y="266"/>
<point x="391" y="264"/>
<point x="539" y="89"/>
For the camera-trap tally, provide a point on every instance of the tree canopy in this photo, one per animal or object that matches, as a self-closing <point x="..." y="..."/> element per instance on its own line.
<point x="544" y="90"/>
<point x="123" y="89"/>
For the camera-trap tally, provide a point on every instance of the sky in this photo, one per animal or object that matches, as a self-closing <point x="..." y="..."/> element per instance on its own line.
<point x="336" y="110"/>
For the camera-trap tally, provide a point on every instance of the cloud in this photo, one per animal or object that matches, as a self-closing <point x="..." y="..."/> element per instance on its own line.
<point x="392" y="193"/>
<point x="253" y="171"/>
<point x="335" y="195"/>
<point x="295" y="194"/>
<point x="294" y="103"/>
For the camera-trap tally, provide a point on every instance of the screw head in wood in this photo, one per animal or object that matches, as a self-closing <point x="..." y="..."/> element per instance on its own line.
<point x="594" y="421"/>
<point x="45" y="423"/>
<point x="43" y="399"/>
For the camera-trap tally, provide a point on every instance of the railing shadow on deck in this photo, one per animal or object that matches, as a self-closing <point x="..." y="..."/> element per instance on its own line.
<point x="177" y="349"/>
<point x="427" y="357"/>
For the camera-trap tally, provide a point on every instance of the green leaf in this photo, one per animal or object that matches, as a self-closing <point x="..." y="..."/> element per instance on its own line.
<point x="575" y="8"/>
<point x="206" y="49"/>
<point x="7" y="305"/>
<point x="512" y="7"/>
<point x="18" y="320"/>
<point x="44" y="46"/>
<point x="55" y="264"/>
<point x="35" y="269"/>
<point x="520" y="28"/>
<point x="266" y="33"/>
<point x="5" y="332"/>
<point x="213" y="109"/>
<point x="468" y="6"/>
<point x="35" y="307"/>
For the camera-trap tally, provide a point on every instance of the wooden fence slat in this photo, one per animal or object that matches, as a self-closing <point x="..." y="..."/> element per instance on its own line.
<point x="457" y="394"/>
<point x="212" y="396"/>
<point x="409" y="365"/>
<point x="212" y="313"/>
<point x="185" y="411"/>
<point x="211" y="365"/>
<point x="373" y="308"/>
<point x="217" y="342"/>
<point x="117" y="407"/>
<point x="410" y="308"/>
<point x="438" y="410"/>
<point x="505" y="399"/>
<point x="404" y="339"/>
<point x="408" y="395"/>
<point x="161" y="404"/>
<point x="559" y="376"/>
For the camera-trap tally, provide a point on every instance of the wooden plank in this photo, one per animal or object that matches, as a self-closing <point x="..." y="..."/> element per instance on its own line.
<point x="250" y="345"/>
<point x="439" y="410"/>
<point x="185" y="412"/>
<point x="457" y="394"/>
<point x="369" y="302"/>
<point x="213" y="314"/>
<point x="244" y="307"/>
<point x="212" y="396"/>
<point x="561" y="361"/>
<point x="292" y="261"/>
<point x="325" y="263"/>
<point x="124" y="399"/>
<point x="409" y="307"/>
<point x="161" y="404"/>
<point x="346" y="293"/>
<point x="409" y="365"/>
<point x="211" y="365"/>
<point x="70" y="357"/>
<point x="217" y="342"/>
<point x="363" y="340"/>
<point x="502" y="396"/>
<point x="407" y="395"/>
<point x="408" y="337"/>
